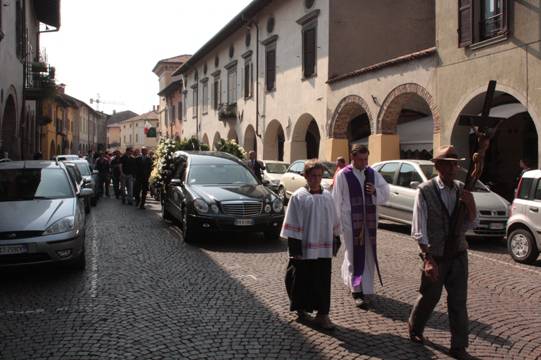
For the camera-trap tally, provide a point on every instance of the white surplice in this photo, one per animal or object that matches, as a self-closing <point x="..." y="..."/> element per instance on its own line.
<point x="312" y="218"/>
<point x="341" y="198"/>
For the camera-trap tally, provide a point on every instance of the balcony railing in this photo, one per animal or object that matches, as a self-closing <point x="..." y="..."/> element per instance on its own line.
<point x="39" y="80"/>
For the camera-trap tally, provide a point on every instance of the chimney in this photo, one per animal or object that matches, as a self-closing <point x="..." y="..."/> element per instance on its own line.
<point x="61" y="88"/>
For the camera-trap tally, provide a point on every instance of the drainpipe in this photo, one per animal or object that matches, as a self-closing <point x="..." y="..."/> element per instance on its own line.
<point x="254" y="23"/>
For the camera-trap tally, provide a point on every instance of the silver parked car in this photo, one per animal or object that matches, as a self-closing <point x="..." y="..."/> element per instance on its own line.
<point x="273" y="172"/>
<point x="404" y="176"/>
<point x="294" y="179"/>
<point x="524" y="225"/>
<point x="43" y="217"/>
<point x="90" y="178"/>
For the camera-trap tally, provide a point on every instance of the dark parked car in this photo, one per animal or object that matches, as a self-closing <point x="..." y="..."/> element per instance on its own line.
<point x="214" y="191"/>
<point x="43" y="218"/>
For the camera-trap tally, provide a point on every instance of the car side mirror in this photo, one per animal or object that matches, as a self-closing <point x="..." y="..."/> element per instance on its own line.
<point x="85" y="192"/>
<point x="265" y="182"/>
<point x="95" y="172"/>
<point x="414" y="184"/>
<point x="87" y="181"/>
<point x="175" y="182"/>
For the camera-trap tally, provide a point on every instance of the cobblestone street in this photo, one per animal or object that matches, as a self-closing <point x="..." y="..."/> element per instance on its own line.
<point x="146" y="294"/>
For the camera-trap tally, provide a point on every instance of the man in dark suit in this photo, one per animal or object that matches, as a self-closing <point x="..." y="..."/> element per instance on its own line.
<point x="256" y="166"/>
<point x="142" y="175"/>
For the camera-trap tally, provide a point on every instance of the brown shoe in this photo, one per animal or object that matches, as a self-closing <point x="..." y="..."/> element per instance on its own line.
<point x="324" y="322"/>
<point x="416" y="338"/>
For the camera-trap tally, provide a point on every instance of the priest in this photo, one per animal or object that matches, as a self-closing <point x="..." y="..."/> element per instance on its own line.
<point x="357" y="191"/>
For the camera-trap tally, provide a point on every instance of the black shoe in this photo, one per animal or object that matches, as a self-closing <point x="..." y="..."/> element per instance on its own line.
<point x="414" y="337"/>
<point x="142" y="207"/>
<point x="459" y="353"/>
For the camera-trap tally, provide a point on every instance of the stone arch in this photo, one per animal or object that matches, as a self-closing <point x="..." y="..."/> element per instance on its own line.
<point x="250" y="140"/>
<point x="205" y="140"/>
<point x="216" y="140"/>
<point x="393" y="104"/>
<point x="274" y="140"/>
<point x="520" y="128"/>
<point x="9" y="128"/>
<point x="305" y="139"/>
<point x="348" y="108"/>
<point x="232" y="135"/>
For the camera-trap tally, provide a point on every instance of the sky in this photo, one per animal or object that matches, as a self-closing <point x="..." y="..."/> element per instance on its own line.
<point x="107" y="49"/>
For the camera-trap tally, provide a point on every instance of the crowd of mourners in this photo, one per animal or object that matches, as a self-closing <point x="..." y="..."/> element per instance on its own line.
<point x="128" y="171"/>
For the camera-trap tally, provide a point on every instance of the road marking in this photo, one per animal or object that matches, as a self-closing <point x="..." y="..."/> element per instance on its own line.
<point x="516" y="266"/>
<point x="94" y="257"/>
<point x="249" y="276"/>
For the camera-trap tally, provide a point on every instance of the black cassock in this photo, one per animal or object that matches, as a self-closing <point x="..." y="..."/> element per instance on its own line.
<point x="308" y="282"/>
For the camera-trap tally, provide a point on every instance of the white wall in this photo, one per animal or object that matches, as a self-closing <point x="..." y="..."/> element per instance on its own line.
<point x="293" y="96"/>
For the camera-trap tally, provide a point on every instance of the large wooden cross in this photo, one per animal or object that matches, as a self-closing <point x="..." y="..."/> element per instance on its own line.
<point x="484" y="127"/>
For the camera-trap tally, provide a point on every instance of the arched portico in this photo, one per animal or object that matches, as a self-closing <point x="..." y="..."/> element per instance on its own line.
<point x="351" y="123"/>
<point x="9" y="129"/>
<point x="520" y="128"/>
<point x="407" y="124"/>
<point x="306" y="138"/>
<point x="250" y="141"/>
<point x="216" y="140"/>
<point x="232" y="135"/>
<point x="205" y="140"/>
<point x="273" y="148"/>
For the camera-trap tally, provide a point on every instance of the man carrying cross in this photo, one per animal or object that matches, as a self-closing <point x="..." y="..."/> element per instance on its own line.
<point x="444" y="252"/>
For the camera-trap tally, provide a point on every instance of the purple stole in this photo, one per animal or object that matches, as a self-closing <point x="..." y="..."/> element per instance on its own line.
<point x="363" y="216"/>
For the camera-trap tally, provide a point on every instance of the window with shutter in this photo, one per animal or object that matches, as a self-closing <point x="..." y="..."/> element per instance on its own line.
<point x="309" y="52"/>
<point x="480" y="20"/>
<point x="248" y="80"/>
<point x="195" y="102"/>
<point x="232" y="85"/>
<point x="493" y="18"/>
<point x="180" y="110"/>
<point x="216" y="94"/>
<point x="205" y="97"/>
<point x="465" y="23"/>
<point x="270" y="69"/>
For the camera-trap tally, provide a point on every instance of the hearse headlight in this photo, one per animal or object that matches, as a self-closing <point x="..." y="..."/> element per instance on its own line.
<point x="277" y="205"/>
<point x="201" y="206"/>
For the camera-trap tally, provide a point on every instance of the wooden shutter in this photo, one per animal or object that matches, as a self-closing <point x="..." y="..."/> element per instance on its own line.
<point x="270" y="62"/>
<point x="179" y="109"/>
<point x="247" y="80"/>
<point x="465" y="22"/>
<point x="309" y="52"/>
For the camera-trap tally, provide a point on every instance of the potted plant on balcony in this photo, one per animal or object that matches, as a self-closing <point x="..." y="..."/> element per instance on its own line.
<point x="227" y="112"/>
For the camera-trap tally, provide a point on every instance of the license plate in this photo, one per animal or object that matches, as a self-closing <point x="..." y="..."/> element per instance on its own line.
<point x="244" y="222"/>
<point x="13" y="249"/>
<point x="497" y="226"/>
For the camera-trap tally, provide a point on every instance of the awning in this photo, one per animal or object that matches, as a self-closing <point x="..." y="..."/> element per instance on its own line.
<point x="508" y="110"/>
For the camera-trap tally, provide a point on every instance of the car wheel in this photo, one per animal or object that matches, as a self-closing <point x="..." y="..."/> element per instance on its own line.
<point x="272" y="234"/>
<point x="79" y="263"/>
<point x="188" y="233"/>
<point x="522" y="247"/>
<point x="165" y="214"/>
